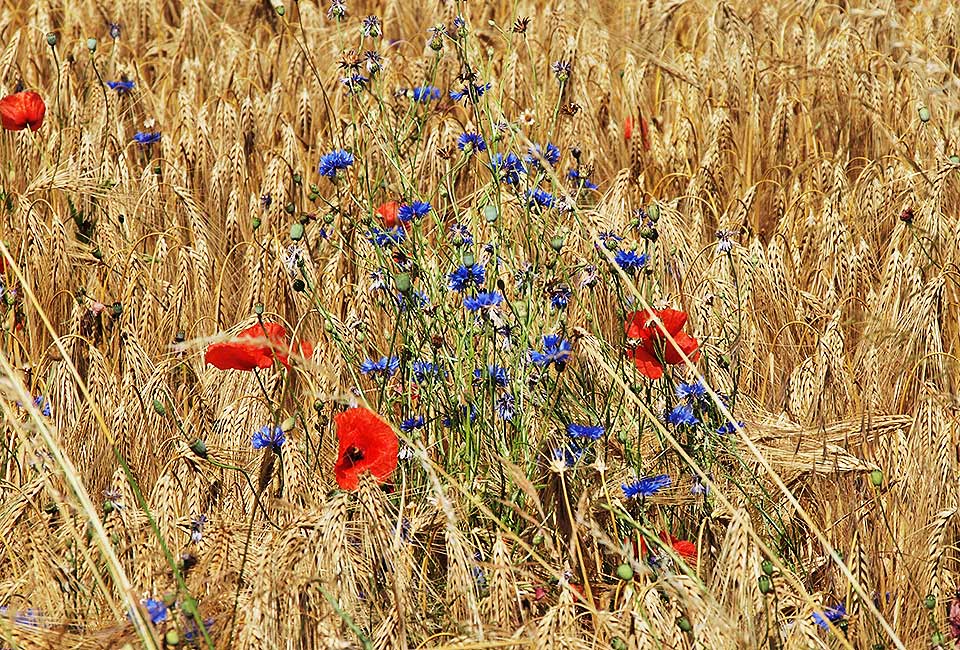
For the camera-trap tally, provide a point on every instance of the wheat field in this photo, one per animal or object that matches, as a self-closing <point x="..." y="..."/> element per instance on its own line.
<point x="784" y="173"/>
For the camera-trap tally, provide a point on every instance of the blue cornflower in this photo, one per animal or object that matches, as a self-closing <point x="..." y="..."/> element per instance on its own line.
<point x="413" y="211"/>
<point x="193" y="634"/>
<point x="460" y="235"/>
<point x="268" y="436"/>
<point x="386" y="366"/>
<point x="43" y="404"/>
<point x="28" y="618"/>
<point x="682" y="415"/>
<point x="464" y="276"/>
<point x="555" y="350"/>
<point x="470" y="92"/>
<point x="483" y="301"/>
<point x="266" y="200"/>
<point x="114" y="31"/>
<point x="372" y="27"/>
<point x="727" y="428"/>
<point x="539" y="198"/>
<point x="383" y="237"/>
<point x="560" y="297"/>
<point x="333" y="162"/>
<point x="496" y="375"/>
<point x="833" y="614"/>
<point x="507" y="168"/>
<point x="424" y="371"/>
<point x="412" y="424"/>
<point x="425" y="93"/>
<point x="122" y="87"/>
<point x="691" y="392"/>
<point x="569" y="454"/>
<point x="575" y="176"/>
<point x="146" y="137"/>
<point x="536" y="154"/>
<point x="610" y="240"/>
<point x="470" y="143"/>
<point x="506" y="407"/>
<point x="355" y="84"/>
<point x="629" y="261"/>
<point x="699" y="487"/>
<point x="156" y="609"/>
<point x="646" y="486"/>
<point x="584" y="431"/>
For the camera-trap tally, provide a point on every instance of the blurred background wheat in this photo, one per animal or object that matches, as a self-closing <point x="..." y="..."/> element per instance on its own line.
<point x="799" y="158"/>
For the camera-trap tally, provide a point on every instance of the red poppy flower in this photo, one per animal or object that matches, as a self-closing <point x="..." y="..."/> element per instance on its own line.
<point x="685" y="549"/>
<point x="254" y="347"/>
<point x="367" y="443"/>
<point x="388" y="214"/>
<point x="20" y="110"/>
<point x="652" y="349"/>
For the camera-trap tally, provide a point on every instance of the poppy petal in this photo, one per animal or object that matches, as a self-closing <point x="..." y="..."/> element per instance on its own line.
<point x="388" y="214"/>
<point x="646" y="363"/>
<point x="686" y="343"/>
<point x="637" y="324"/>
<point x="231" y="356"/>
<point x="673" y="320"/>
<point x="367" y="443"/>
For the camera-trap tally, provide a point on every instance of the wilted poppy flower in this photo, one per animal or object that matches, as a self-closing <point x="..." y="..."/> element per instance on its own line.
<point x="644" y="131"/>
<point x="367" y="443"/>
<point x="254" y="347"/>
<point x="20" y="110"/>
<point x="628" y="127"/>
<point x="650" y="349"/>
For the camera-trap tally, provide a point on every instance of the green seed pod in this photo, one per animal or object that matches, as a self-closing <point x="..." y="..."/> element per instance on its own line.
<point x="402" y="282"/>
<point x="955" y="159"/>
<point x="255" y="222"/>
<point x="171" y="638"/>
<point x="157" y="170"/>
<point x="258" y="309"/>
<point x="199" y="447"/>
<point x="312" y="197"/>
<point x="290" y="208"/>
<point x="684" y="624"/>
<point x="117" y="309"/>
<point x="159" y="407"/>
<point x="296" y="231"/>
<point x="767" y="567"/>
<point x="557" y="244"/>
<point x="51" y="39"/>
<point x="299" y="285"/>
<point x="92" y="45"/>
<point x="190" y="607"/>
<point x="618" y="644"/>
<point x="766" y="586"/>
<point x="108" y="507"/>
<point x="625" y="572"/>
<point x="924" y="114"/>
<point x="361" y="337"/>
<point x="469" y="259"/>
<point x="930" y="601"/>
<point x="328" y="218"/>
<point x="317" y="405"/>
<point x="937" y="638"/>
<point x="490" y="213"/>
<point x="876" y="478"/>
<point x="288" y="424"/>
<point x="297" y="179"/>
<point x="653" y="212"/>
<point x="97" y="253"/>
<point x="537" y="540"/>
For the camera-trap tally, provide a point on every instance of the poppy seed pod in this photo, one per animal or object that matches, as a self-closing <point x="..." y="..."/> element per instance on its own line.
<point x="924" y="113"/>
<point x="51" y="39"/>
<point x="296" y="231"/>
<point x="92" y="45"/>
